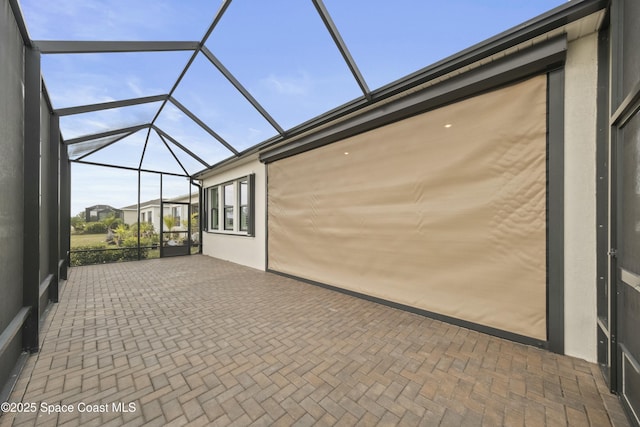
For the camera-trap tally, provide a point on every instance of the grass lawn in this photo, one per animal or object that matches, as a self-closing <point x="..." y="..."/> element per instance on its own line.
<point x="87" y="239"/>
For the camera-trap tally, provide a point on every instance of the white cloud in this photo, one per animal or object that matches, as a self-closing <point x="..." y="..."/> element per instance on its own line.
<point x="297" y="85"/>
<point x="133" y="83"/>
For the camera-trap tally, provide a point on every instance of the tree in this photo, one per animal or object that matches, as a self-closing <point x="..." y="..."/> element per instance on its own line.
<point x="78" y="222"/>
<point x="169" y="222"/>
<point x="111" y="222"/>
<point x="120" y="233"/>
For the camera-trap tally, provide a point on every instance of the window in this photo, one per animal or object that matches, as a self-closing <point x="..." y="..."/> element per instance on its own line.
<point x="213" y="205"/>
<point x="234" y="199"/>
<point x="175" y="211"/>
<point x="143" y="217"/>
<point x="228" y="206"/>
<point x="149" y="217"/>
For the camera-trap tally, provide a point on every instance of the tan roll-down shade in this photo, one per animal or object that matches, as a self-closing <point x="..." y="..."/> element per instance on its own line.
<point x="444" y="211"/>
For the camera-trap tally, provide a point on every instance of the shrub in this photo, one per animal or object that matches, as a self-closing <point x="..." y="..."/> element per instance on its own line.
<point x="99" y="254"/>
<point x="95" y="228"/>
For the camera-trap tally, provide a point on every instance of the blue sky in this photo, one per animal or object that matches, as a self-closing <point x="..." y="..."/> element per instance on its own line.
<point x="279" y="50"/>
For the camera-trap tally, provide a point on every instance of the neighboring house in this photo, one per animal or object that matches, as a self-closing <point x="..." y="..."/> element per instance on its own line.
<point x="99" y="212"/>
<point x="178" y="207"/>
<point x="150" y="211"/>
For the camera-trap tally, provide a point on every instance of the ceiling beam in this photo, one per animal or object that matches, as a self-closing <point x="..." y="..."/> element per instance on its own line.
<point x="166" y="144"/>
<point x="225" y="72"/>
<point x="71" y="46"/>
<point x="182" y="147"/>
<point x="216" y="19"/>
<point x="105" y="134"/>
<point x="203" y="125"/>
<point x="22" y="26"/>
<point x="83" y="162"/>
<point x="108" y="105"/>
<point x="107" y="144"/>
<point x="144" y="148"/>
<point x="342" y="46"/>
<point x="223" y="8"/>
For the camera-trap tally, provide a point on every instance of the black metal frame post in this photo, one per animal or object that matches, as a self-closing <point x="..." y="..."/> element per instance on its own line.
<point x="160" y="246"/>
<point x="65" y="211"/>
<point x="603" y="285"/>
<point x="54" y="203"/>
<point x="138" y="213"/>
<point x="201" y="212"/>
<point x="31" y="204"/>
<point x="616" y="216"/>
<point x="555" y="211"/>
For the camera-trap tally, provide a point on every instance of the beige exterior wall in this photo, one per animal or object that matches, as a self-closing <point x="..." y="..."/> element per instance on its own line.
<point x="130" y="216"/>
<point x="580" y="198"/>
<point x="249" y="251"/>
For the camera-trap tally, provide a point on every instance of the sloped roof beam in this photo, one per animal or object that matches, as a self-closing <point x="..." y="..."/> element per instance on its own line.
<point x="106" y="145"/>
<point x="203" y="125"/>
<point x="225" y="72"/>
<point x="144" y="149"/>
<point x="105" y="134"/>
<point x="108" y="105"/>
<point x="182" y="147"/>
<point x="22" y="26"/>
<point x="172" y="153"/>
<point x="223" y="8"/>
<point x="216" y="19"/>
<point x="342" y="46"/>
<point x="71" y="47"/>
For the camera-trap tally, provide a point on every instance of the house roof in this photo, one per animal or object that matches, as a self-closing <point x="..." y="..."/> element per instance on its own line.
<point x="154" y="202"/>
<point x="102" y="208"/>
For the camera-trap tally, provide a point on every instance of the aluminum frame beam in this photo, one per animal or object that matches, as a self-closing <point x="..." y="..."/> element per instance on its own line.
<point x="105" y="134"/>
<point x="89" y="108"/>
<point x="144" y="149"/>
<point x="172" y="153"/>
<point x="342" y="46"/>
<point x="182" y="147"/>
<point x="223" y="8"/>
<point x="82" y="162"/>
<point x="22" y="26"/>
<point x="229" y="76"/>
<point x="106" y="145"/>
<point x="215" y="21"/>
<point x="203" y="125"/>
<point x="51" y="47"/>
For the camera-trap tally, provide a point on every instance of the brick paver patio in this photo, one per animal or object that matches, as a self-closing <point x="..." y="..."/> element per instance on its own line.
<point x="199" y="341"/>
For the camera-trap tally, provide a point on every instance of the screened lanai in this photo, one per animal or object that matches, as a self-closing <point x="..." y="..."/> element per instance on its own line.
<point x="178" y="88"/>
<point x="471" y="162"/>
<point x="147" y="94"/>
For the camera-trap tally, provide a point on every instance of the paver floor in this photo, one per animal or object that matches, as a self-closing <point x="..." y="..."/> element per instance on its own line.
<point x="198" y="341"/>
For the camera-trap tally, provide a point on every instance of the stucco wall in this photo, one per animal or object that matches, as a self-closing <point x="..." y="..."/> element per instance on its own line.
<point x="11" y="173"/>
<point x="580" y="197"/>
<point x="249" y="251"/>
